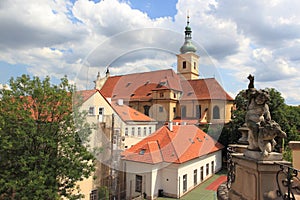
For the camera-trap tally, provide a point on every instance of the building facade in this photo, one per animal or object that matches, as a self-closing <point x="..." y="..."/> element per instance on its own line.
<point x="172" y="161"/>
<point x="166" y="95"/>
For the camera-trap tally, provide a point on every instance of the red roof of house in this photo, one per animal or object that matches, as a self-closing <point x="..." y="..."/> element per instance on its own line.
<point x="82" y="96"/>
<point x="129" y="114"/>
<point x="139" y="86"/>
<point x="125" y="112"/>
<point x="203" y="89"/>
<point x="184" y="143"/>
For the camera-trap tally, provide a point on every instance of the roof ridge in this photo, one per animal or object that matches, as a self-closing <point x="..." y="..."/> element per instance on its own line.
<point x="171" y="141"/>
<point x="170" y="69"/>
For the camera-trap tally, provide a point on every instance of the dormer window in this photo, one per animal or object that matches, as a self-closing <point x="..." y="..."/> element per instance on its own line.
<point x="162" y="83"/>
<point x="142" y="151"/>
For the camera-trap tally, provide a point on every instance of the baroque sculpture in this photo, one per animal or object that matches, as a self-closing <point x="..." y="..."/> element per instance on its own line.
<point x="262" y="129"/>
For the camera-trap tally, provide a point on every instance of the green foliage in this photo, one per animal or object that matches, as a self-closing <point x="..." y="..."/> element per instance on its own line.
<point x="41" y="153"/>
<point x="103" y="193"/>
<point x="288" y="117"/>
<point x="287" y="154"/>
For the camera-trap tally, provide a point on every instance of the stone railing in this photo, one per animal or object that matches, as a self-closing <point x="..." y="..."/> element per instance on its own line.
<point x="287" y="186"/>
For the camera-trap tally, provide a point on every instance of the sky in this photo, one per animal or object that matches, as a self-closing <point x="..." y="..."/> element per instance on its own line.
<point x="80" y="38"/>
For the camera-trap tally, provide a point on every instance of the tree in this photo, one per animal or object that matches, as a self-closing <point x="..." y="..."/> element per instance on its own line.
<point x="41" y="151"/>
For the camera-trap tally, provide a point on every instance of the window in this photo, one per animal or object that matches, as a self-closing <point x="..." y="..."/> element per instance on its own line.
<point x="142" y="151"/>
<point x="91" y="110"/>
<point x="216" y="112"/>
<point x="174" y="109"/>
<point x="146" y="110"/>
<point x="207" y="169"/>
<point x="201" y="174"/>
<point x="161" y="109"/>
<point x="101" y="111"/>
<point x="184" y="187"/>
<point x="132" y="131"/>
<point x="195" y="177"/>
<point x="212" y="167"/>
<point x="183" y="111"/>
<point x="184" y="64"/>
<point x="145" y="131"/>
<point x="198" y="111"/>
<point x="161" y="94"/>
<point x="94" y="195"/>
<point x="138" y="183"/>
<point x="126" y="131"/>
<point x="150" y="130"/>
<point x="174" y="95"/>
<point x="195" y="65"/>
<point x="139" y="131"/>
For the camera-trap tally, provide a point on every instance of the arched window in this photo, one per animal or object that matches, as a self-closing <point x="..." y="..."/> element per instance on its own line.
<point x="146" y="110"/>
<point x="216" y="112"/>
<point x="183" y="111"/>
<point x="198" y="111"/>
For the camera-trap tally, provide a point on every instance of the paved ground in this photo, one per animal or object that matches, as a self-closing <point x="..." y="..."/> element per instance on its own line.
<point x="206" y="190"/>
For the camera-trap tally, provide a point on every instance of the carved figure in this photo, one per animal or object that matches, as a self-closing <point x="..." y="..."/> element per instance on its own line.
<point x="267" y="133"/>
<point x="251" y="79"/>
<point x="262" y="130"/>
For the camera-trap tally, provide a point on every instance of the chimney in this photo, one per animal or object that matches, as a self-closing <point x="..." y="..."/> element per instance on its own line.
<point x="120" y="102"/>
<point x="170" y="126"/>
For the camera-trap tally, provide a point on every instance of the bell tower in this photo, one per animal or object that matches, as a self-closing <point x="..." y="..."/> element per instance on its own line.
<point x="188" y="60"/>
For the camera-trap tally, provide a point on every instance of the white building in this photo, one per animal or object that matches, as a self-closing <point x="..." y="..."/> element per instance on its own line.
<point x="172" y="161"/>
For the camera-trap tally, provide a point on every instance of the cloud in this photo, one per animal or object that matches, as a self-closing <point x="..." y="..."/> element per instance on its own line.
<point x="233" y="39"/>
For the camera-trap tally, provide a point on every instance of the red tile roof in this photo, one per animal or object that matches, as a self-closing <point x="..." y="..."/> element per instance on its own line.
<point x="83" y="95"/>
<point x="203" y="89"/>
<point x="184" y="143"/>
<point x="129" y="114"/>
<point x="139" y="86"/>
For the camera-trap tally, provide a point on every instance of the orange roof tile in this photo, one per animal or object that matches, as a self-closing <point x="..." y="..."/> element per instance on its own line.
<point x="203" y="89"/>
<point x="139" y="86"/>
<point x="184" y="143"/>
<point x="129" y="114"/>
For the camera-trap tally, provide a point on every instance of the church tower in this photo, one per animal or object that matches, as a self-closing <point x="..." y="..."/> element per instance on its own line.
<point x="188" y="60"/>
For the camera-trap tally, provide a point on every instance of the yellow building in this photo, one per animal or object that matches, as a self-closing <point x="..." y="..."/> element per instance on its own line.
<point x="166" y="96"/>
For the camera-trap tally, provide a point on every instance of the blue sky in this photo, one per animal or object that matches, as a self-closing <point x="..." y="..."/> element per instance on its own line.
<point x="78" y="38"/>
<point x="155" y="8"/>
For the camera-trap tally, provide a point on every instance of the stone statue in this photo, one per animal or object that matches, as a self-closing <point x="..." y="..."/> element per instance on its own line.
<point x="262" y="130"/>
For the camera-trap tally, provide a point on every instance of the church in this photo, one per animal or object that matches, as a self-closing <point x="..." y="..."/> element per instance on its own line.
<point x="166" y="95"/>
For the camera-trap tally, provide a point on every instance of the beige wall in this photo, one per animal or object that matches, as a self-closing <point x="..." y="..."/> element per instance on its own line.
<point x="191" y="71"/>
<point x="295" y="147"/>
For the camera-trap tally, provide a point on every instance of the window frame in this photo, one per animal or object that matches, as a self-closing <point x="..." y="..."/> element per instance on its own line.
<point x="138" y="183"/>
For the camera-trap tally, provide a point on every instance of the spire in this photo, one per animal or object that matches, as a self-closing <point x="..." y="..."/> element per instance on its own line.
<point x="107" y="72"/>
<point x="188" y="30"/>
<point x="188" y="45"/>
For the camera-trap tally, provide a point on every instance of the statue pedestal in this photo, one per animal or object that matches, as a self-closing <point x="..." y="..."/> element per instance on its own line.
<point x="256" y="155"/>
<point x="254" y="178"/>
